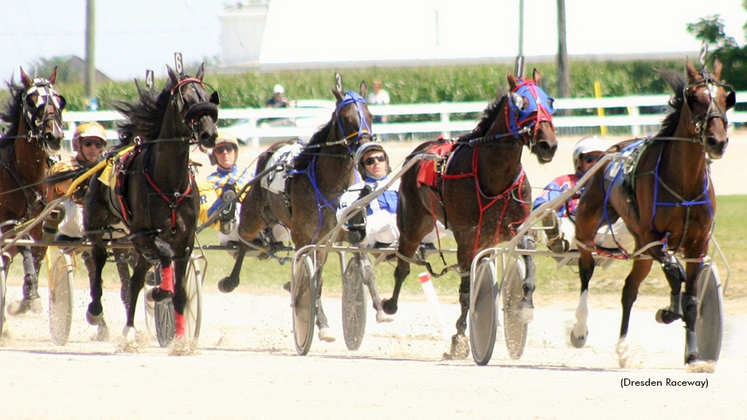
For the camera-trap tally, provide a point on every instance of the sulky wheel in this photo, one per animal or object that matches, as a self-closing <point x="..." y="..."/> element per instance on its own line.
<point x="709" y="324"/>
<point x="354" y="301"/>
<point x="483" y="321"/>
<point x="512" y="292"/>
<point x="61" y="276"/>
<point x="193" y="308"/>
<point x="3" y="293"/>
<point x="303" y="303"/>
<point x="163" y="315"/>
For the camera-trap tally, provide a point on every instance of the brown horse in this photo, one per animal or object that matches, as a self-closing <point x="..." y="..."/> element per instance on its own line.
<point x="321" y="173"/>
<point x="34" y="113"/>
<point x="666" y="201"/>
<point x="154" y="193"/>
<point x="483" y="193"/>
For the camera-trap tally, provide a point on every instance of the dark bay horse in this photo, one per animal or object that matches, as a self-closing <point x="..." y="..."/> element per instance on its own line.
<point x="667" y="201"/>
<point x="321" y="173"/>
<point x="155" y="195"/>
<point x="34" y="113"/>
<point x="483" y="194"/>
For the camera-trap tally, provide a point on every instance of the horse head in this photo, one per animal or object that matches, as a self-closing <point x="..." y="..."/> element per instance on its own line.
<point x="530" y="112"/>
<point x="707" y="99"/>
<point x="198" y="108"/>
<point x="352" y="118"/>
<point x="42" y="108"/>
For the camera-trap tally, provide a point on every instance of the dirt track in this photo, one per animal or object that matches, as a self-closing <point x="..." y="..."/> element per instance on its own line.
<point x="246" y="366"/>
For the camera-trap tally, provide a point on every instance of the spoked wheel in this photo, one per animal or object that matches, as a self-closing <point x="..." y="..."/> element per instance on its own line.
<point x="61" y="276"/>
<point x="303" y="303"/>
<point x="163" y="316"/>
<point x="483" y="321"/>
<point x="3" y="292"/>
<point x="512" y="291"/>
<point x="709" y="324"/>
<point x="354" y="302"/>
<point x="193" y="308"/>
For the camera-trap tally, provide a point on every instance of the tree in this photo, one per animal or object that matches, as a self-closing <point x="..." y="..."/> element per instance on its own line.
<point x="711" y="31"/>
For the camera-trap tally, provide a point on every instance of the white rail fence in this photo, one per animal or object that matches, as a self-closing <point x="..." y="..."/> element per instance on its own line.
<point x="629" y="115"/>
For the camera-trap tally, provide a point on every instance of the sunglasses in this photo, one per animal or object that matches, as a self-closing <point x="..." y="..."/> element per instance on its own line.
<point x="373" y="159"/>
<point x="590" y="158"/>
<point x="98" y="144"/>
<point x="222" y="149"/>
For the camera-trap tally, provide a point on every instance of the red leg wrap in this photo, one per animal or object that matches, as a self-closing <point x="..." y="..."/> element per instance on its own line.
<point x="167" y="279"/>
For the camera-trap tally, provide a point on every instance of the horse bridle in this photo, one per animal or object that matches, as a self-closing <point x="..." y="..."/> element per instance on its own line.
<point x="701" y="121"/>
<point x="191" y="115"/>
<point x="523" y="121"/>
<point x="45" y="94"/>
<point x="364" y="129"/>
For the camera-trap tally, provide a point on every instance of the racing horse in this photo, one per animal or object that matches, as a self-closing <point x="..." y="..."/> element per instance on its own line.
<point x="153" y="192"/>
<point x="482" y="195"/>
<point x="34" y="113"/>
<point x="666" y="200"/>
<point x="322" y="171"/>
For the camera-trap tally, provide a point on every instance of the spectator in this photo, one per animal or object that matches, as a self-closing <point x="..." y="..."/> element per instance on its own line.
<point x="561" y="228"/>
<point x="278" y="99"/>
<point x="378" y="96"/>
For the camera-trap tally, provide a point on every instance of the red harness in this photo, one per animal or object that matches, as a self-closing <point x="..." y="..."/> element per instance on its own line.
<point x="505" y="196"/>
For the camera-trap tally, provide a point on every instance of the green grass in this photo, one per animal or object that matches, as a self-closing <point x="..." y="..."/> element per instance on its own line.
<point x="270" y="275"/>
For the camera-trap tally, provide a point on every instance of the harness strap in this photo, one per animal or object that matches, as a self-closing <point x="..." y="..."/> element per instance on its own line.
<point x="172" y="202"/>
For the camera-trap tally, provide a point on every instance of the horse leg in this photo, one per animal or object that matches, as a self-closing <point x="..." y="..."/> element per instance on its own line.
<point x="580" y="331"/>
<point x="407" y="248"/>
<point x="180" y="295"/>
<point x="228" y="284"/>
<point x="325" y="333"/>
<point x="633" y="282"/>
<point x="525" y="310"/>
<point x="30" y="300"/>
<point x="690" y="312"/>
<point x="95" y="265"/>
<point x="369" y="279"/>
<point x="131" y="287"/>
<point x="459" y="341"/>
<point x="675" y="275"/>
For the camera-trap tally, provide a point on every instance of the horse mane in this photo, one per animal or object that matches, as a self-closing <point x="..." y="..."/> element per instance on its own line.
<point x="488" y="116"/>
<point x="304" y="159"/>
<point x="676" y="103"/>
<point x="144" y="116"/>
<point x="12" y="113"/>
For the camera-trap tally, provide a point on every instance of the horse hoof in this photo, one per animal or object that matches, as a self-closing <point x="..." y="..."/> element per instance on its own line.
<point x="325" y="334"/>
<point x="382" y="317"/>
<point x="160" y="295"/>
<point x="227" y="285"/>
<point x="287" y="287"/>
<point x="389" y="306"/>
<point x="102" y="334"/>
<point x="459" y="348"/>
<point x="25" y="305"/>
<point x="579" y="340"/>
<point x="692" y="358"/>
<point x="525" y="314"/>
<point x="665" y="316"/>
<point x="130" y="334"/>
<point x="94" y="319"/>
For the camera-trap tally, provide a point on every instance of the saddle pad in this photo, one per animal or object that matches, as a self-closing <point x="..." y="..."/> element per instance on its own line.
<point x="427" y="172"/>
<point x="108" y="174"/>
<point x="631" y="153"/>
<point x="275" y="180"/>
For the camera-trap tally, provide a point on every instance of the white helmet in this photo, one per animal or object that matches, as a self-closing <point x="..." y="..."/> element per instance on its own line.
<point x="278" y="89"/>
<point x="367" y="148"/>
<point x="586" y="145"/>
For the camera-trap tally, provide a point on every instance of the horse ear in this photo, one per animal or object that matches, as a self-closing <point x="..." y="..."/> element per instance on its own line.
<point x="363" y="89"/>
<point x="337" y="88"/>
<point x="53" y="77"/>
<point x="511" y="80"/>
<point x="172" y="75"/>
<point x="201" y="71"/>
<point x="692" y="72"/>
<point x="536" y="76"/>
<point x="25" y="79"/>
<point x="717" y="67"/>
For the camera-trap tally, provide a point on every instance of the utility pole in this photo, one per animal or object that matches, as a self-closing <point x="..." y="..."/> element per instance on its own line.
<point x="564" y="71"/>
<point x="90" y="48"/>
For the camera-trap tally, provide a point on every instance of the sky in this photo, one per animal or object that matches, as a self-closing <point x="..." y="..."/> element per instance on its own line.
<point x="135" y="35"/>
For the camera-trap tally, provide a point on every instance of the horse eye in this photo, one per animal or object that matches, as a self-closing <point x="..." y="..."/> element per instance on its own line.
<point x="518" y="101"/>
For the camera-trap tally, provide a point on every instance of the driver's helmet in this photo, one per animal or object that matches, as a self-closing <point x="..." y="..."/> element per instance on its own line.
<point x="89" y="129"/>
<point x="367" y="148"/>
<point x="586" y="145"/>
